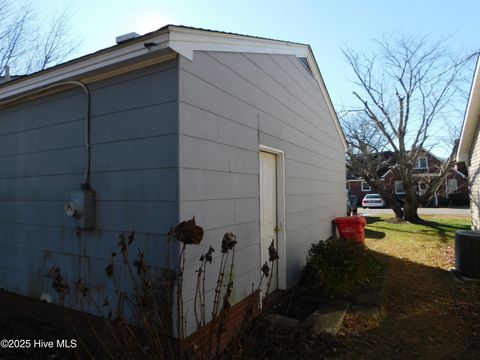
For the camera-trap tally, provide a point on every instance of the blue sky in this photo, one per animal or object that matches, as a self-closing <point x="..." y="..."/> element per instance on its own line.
<point x="325" y="25"/>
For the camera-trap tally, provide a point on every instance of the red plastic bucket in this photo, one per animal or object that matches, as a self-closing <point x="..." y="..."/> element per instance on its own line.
<point x="351" y="227"/>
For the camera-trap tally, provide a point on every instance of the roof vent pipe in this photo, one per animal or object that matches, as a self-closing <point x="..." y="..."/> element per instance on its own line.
<point x="130" y="36"/>
<point x="7" y="73"/>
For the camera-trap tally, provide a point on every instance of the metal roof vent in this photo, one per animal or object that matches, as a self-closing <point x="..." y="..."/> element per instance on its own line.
<point x="130" y="36"/>
<point x="304" y="62"/>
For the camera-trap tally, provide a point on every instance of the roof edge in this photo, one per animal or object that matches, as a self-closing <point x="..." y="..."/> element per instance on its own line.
<point x="84" y="66"/>
<point x="182" y="40"/>
<point x="318" y="76"/>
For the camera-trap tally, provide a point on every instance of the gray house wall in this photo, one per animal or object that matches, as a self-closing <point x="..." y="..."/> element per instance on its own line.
<point x="134" y="172"/>
<point x="169" y="142"/>
<point x="229" y="104"/>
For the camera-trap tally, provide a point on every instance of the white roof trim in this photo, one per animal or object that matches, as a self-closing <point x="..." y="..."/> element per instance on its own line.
<point x="471" y="118"/>
<point x="182" y="40"/>
<point x="318" y="76"/>
<point x="388" y="172"/>
<point x="185" y="41"/>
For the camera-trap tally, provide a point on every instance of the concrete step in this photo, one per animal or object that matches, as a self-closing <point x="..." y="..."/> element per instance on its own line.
<point x="328" y="318"/>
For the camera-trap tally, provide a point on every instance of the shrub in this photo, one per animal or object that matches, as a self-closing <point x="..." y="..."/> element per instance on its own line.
<point x="337" y="267"/>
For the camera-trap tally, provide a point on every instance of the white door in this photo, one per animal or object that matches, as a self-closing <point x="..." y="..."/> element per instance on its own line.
<point x="268" y="211"/>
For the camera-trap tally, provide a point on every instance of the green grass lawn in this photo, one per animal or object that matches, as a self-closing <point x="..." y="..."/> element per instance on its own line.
<point x="430" y="244"/>
<point x="426" y="312"/>
<point x="440" y="229"/>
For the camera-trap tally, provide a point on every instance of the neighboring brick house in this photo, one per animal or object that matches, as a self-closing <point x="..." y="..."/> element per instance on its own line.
<point x="453" y="191"/>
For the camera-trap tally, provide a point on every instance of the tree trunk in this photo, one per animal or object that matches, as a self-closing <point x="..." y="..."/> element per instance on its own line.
<point x="410" y="212"/>
<point x="391" y="202"/>
<point x="397" y="209"/>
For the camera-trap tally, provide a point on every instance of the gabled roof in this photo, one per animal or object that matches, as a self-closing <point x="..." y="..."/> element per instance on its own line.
<point x="470" y="120"/>
<point x="158" y="46"/>
<point x="389" y="158"/>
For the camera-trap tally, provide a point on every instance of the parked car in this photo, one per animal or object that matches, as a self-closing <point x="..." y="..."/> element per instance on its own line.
<point x="372" y="200"/>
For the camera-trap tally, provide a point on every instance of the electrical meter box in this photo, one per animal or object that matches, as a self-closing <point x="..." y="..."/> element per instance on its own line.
<point x="81" y="207"/>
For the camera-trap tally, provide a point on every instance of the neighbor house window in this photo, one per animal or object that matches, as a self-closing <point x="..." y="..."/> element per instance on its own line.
<point x="452" y="186"/>
<point x="422" y="187"/>
<point x="422" y="163"/>
<point x="399" y="187"/>
<point x="365" y="186"/>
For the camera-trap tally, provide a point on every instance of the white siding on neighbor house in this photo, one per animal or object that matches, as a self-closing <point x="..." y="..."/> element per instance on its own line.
<point x="230" y="103"/>
<point x="134" y="174"/>
<point x="474" y="180"/>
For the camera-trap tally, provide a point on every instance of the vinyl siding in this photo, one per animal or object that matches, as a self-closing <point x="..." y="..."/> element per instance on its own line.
<point x="229" y="104"/>
<point x="473" y="174"/>
<point x="134" y="173"/>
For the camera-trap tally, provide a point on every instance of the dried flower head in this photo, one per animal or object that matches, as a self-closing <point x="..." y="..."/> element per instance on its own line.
<point x="60" y="285"/>
<point x="106" y="302"/>
<point x="208" y="255"/>
<point x="229" y="241"/>
<point x="109" y="270"/>
<point x="121" y="243"/>
<point x="131" y="237"/>
<point x="265" y="269"/>
<point x="272" y="252"/>
<point x="81" y="288"/>
<point x="139" y="263"/>
<point x="188" y="232"/>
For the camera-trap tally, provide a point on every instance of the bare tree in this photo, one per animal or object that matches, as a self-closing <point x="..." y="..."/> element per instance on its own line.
<point x="406" y="91"/>
<point x="29" y="44"/>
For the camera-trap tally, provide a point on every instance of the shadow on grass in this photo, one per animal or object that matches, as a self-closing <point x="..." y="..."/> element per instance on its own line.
<point x="444" y="236"/>
<point x="426" y="314"/>
<point x="373" y="219"/>
<point x="373" y="234"/>
<point x="445" y="232"/>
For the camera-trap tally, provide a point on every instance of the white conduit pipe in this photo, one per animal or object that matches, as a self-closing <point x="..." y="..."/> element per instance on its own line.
<point x="86" y="178"/>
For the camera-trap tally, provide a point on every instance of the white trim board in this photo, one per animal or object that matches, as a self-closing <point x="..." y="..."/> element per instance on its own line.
<point x="470" y="121"/>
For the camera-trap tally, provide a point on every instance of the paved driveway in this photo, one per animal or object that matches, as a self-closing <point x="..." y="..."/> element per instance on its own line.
<point x="421" y="211"/>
